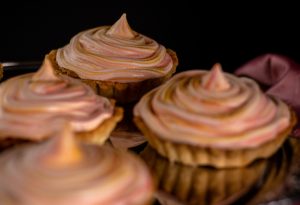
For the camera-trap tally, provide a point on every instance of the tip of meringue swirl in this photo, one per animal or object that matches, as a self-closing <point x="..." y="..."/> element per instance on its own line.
<point x="45" y="72"/>
<point x="215" y="79"/>
<point x="121" y="29"/>
<point x="45" y="80"/>
<point x="63" y="149"/>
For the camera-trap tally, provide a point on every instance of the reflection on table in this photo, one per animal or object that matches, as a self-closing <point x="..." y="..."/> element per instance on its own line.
<point x="262" y="181"/>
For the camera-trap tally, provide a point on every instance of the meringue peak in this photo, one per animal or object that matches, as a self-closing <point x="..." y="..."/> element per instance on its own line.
<point x="46" y="71"/>
<point x="121" y="29"/>
<point x="63" y="149"/>
<point x="215" y="80"/>
<point x="45" y="80"/>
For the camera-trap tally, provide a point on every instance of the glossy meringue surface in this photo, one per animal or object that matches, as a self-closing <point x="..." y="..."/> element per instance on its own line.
<point x="31" y="104"/>
<point x="213" y="108"/>
<point x="115" y="53"/>
<point x="61" y="171"/>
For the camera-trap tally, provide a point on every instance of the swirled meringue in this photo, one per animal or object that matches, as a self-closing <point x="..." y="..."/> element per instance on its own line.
<point x="61" y="171"/>
<point x="213" y="109"/>
<point x="115" y="53"/>
<point x="31" y="104"/>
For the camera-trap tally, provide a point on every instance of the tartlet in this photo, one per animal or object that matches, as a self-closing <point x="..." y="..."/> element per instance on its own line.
<point x="213" y="118"/>
<point x="116" y="61"/>
<point x="61" y="171"/>
<point x="32" y="106"/>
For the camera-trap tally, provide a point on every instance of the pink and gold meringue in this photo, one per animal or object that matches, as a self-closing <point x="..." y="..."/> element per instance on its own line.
<point x="116" y="54"/>
<point x="213" y="110"/>
<point x="32" y="105"/>
<point x="63" y="171"/>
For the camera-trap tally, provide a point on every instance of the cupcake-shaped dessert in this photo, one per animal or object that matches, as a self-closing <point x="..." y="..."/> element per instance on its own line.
<point x="62" y="171"/>
<point x="32" y="106"/>
<point x="116" y="61"/>
<point x="213" y="118"/>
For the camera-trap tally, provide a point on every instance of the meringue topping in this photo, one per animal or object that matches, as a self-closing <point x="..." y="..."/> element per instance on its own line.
<point x="45" y="80"/>
<point x="210" y="108"/>
<point x="115" y="53"/>
<point x="64" y="149"/>
<point x="121" y="29"/>
<point x="30" y="104"/>
<point x="39" y="173"/>
<point x="45" y="72"/>
<point x="215" y="79"/>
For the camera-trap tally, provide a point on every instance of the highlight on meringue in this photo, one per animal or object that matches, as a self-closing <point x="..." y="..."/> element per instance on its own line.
<point x="63" y="171"/>
<point x="213" y="108"/>
<point x="115" y="53"/>
<point x="31" y="105"/>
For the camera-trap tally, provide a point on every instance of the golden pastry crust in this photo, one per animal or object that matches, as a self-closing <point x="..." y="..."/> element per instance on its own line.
<point x="97" y="136"/>
<point x="102" y="132"/>
<point x="122" y="92"/>
<point x="220" y="158"/>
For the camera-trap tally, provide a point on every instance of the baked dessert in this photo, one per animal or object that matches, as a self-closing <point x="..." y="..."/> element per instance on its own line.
<point x="213" y="118"/>
<point x="32" y="106"/>
<point x="63" y="171"/>
<point x="116" y="61"/>
<point x="179" y="184"/>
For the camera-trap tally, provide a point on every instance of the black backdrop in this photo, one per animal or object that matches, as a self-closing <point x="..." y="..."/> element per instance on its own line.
<point x="200" y="34"/>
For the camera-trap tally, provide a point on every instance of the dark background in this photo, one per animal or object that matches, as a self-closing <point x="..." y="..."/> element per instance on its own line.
<point x="200" y="34"/>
